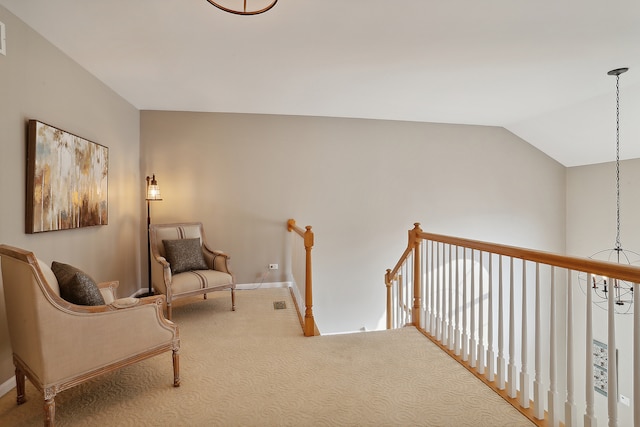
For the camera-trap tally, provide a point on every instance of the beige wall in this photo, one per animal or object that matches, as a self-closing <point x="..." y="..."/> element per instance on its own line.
<point x="37" y="81"/>
<point x="361" y="184"/>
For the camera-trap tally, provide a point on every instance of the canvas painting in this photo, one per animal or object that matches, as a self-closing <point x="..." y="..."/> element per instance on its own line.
<point x="66" y="180"/>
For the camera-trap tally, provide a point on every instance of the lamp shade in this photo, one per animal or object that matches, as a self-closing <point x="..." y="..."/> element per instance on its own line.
<point x="153" y="190"/>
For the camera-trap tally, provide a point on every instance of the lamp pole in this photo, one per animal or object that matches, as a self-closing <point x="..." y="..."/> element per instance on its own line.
<point x="149" y="245"/>
<point x="153" y="194"/>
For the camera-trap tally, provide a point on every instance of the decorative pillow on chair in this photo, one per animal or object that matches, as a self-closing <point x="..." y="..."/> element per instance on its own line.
<point x="184" y="255"/>
<point x="76" y="286"/>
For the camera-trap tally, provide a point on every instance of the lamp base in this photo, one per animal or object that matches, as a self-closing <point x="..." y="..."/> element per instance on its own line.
<point x="146" y="294"/>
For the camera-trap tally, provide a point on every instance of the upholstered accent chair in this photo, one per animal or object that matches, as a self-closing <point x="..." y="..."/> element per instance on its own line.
<point x="57" y="344"/>
<point x="184" y="265"/>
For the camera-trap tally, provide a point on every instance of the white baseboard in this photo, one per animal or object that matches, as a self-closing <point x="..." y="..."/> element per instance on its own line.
<point x="241" y="286"/>
<point x="7" y="386"/>
<point x="250" y="286"/>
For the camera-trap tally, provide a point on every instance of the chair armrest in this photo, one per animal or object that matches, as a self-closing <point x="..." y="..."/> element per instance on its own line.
<point x="113" y="284"/>
<point x="216" y="259"/>
<point x="161" y="273"/>
<point x="162" y="260"/>
<point x="125" y="303"/>
<point x="153" y="299"/>
<point x="108" y="290"/>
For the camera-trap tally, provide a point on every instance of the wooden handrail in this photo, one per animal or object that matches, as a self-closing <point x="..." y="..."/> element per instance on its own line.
<point x="309" y="326"/>
<point x="603" y="268"/>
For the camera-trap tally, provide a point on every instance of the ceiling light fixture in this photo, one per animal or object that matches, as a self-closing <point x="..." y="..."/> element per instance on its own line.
<point x="244" y="7"/>
<point x="603" y="287"/>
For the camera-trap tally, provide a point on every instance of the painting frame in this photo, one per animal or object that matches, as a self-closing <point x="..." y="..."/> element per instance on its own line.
<point x="67" y="180"/>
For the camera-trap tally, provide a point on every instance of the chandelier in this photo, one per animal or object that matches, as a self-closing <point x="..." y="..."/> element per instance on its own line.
<point x="244" y="7"/>
<point x="602" y="287"/>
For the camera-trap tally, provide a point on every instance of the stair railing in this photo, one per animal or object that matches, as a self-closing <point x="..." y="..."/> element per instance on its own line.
<point x="474" y="299"/>
<point x="302" y="275"/>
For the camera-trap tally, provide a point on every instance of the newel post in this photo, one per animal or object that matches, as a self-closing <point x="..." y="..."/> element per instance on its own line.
<point x="309" y="322"/>
<point x="414" y="239"/>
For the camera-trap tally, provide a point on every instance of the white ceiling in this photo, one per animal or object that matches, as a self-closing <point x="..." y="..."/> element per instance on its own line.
<point x="536" y="67"/>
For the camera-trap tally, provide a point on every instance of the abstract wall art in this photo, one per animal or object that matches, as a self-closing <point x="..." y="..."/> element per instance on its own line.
<point x="66" y="180"/>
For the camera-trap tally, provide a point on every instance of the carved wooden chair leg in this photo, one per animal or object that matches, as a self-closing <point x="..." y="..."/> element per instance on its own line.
<point x="205" y="296"/>
<point x="20" y="386"/>
<point x="168" y="311"/>
<point x="49" y="411"/>
<point x="176" y="368"/>
<point x="233" y="300"/>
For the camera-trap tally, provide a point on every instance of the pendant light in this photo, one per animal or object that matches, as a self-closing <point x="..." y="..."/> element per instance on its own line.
<point x="602" y="287"/>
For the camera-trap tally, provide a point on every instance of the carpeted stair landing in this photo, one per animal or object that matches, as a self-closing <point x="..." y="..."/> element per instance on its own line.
<point x="253" y="367"/>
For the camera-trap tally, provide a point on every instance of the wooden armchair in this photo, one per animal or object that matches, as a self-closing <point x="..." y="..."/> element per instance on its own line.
<point x="57" y="344"/>
<point x="183" y="265"/>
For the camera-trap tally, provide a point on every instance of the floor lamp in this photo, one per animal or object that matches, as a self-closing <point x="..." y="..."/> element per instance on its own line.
<point x="153" y="195"/>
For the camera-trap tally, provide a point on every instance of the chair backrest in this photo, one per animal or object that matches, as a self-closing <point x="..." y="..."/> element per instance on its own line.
<point x="31" y="293"/>
<point x="182" y="230"/>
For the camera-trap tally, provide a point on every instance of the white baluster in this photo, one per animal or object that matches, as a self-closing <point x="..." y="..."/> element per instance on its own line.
<point x="409" y="285"/>
<point x="524" y="375"/>
<point x="636" y="355"/>
<point x="443" y="282"/>
<point x="394" y="302"/>
<point x="491" y="367"/>
<point x="399" y="301"/>
<point x="438" y="283"/>
<point x="450" y="310"/>
<point x="612" y="386"/>
<point x="432" y="323"/>
<point x="552" y="395"/>
<point x="512" y="369"/>
<point x="501" y="360"/>
<point x="570" y="410"/>
<point x="589" y="416"/>
<point x="538" y="391"/>
<point x="424" y="254"/>
<point x="472" y="300"/>
<point x="398" y="314"/>
<point x="443" y="295"/>
<point x="465" y="329"/>
<point x="458" y="308"/>
<point x="481" y="319"/>
<point x="408" y="282"/>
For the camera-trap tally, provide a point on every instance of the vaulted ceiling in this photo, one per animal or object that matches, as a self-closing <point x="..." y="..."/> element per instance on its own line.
<point x="536" y="67"/>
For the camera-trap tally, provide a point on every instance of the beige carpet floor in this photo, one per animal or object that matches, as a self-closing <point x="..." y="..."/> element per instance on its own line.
<point x="253" y="367"/>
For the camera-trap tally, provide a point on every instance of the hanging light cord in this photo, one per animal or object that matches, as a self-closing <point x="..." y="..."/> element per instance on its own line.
<point x="617" y="72"/>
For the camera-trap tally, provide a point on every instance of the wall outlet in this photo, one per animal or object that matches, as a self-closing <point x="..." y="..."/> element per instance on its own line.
<point x="273" y="266"/>
<point x="625" y="400"/>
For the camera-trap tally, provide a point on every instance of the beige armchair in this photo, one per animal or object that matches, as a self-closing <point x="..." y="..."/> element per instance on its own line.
<point x="57" y="344"/>
<point x="183" y="265"/>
